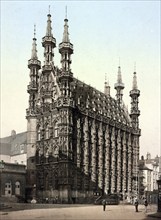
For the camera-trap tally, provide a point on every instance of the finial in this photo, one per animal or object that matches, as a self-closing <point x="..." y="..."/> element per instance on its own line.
<point x="134" y="66"/>
<point x="34" y="30"/>
<point x="49" y="9"/>
<point x="105" y="77"/>
<point x="134" y="85"/>
<point x="66" y="11"/>
<point x="119" y="61"/>
<point x="106" y="87"/>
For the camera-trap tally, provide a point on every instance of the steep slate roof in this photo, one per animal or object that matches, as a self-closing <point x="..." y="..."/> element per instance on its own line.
<point x="18" y="142"/>
<point x="12" y="145"/>
<point x="88" y="97"/>
<point x="5" y="149"/>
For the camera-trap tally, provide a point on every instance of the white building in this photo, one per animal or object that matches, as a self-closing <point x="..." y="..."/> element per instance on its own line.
<point x="148" y="173"/>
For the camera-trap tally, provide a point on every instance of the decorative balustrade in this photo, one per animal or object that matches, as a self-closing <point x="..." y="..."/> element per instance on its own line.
<point x="34" y="62"/>
<point x="67" y="45"/>
<point x="48" y="39"/>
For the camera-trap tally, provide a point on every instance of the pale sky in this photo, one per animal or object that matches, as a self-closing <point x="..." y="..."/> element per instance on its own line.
<point x="101" y="32"/>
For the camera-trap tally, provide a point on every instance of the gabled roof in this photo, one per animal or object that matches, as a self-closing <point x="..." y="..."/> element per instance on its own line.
<point x="12" y="145"/>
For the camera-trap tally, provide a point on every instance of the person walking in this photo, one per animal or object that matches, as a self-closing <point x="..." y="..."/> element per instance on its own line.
<point x="136" y="203"/>
<point x="145" y="204"/>
<point x="104" y="204"/>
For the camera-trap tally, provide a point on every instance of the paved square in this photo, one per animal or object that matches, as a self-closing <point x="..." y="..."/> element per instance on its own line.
<point x="76" y="212"/>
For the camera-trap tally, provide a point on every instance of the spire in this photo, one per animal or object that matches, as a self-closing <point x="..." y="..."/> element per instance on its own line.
<point x="66" y="34"/>
<point x="34" y="50"/>
<point x="134" y="84"/>
<point x="66" y="48"/>
<point x="66" y="12"/>
<point x="48" y="42"/>
<point x="49" y="28"/>
<point x="134" y="94"/>
<point x="107" y="87"/>
<point x="119" y="86"/>
<point x="119" y="77"/>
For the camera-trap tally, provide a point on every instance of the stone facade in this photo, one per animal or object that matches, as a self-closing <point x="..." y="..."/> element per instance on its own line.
<point x="12" y="180"/>
<point x="80" y="141"/>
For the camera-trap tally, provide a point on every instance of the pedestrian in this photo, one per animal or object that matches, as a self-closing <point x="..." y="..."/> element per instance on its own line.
<point x="136" y="203"/>
<point x="145" y="204"/>
<point x="104" y="204"/>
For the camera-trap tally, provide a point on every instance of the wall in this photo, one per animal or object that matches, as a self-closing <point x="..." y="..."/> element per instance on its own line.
<point x="13" y="180"/>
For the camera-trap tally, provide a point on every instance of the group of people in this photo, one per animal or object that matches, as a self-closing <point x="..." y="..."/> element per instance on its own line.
<point x="136" y="203"/>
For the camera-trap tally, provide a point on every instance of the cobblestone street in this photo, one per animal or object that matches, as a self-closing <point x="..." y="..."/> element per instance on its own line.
<point x="77" y="212"/>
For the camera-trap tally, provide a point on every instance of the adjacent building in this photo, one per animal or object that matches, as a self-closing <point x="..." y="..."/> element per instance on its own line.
<point x="13" y="159"/>
<point x="148" y="174"/>
<point x="80" y="141"/>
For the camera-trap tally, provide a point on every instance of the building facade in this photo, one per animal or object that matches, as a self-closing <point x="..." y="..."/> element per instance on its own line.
<point x="13" y="154"/>
<point x="149" y="173"/>
<point x="79" y="140"/>
<point x="13" y="149"/>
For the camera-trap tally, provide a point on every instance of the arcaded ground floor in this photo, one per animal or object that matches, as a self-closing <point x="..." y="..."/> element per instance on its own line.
<point x="76" y="212"/>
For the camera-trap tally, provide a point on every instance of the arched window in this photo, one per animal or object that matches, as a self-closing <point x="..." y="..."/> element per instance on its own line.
<point x="8" y="189"/>
<point x="17" y="188"/>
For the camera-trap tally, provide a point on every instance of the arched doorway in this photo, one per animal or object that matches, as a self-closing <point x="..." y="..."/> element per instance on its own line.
<point x="17" y="188"/>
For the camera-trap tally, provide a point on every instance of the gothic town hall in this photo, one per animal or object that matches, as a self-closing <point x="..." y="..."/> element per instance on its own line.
<point x="80" y="142"/>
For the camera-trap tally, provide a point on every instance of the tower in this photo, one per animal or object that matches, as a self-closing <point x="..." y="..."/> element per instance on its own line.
<point x="119" y="86"/>
<point x="134" y="114"/>
<point x="34" y="65"/>
<point x="65" y="49"/>
<point x="65" y="107"/>
<point x="49" y="43"/>
<point x="134" y="94"/>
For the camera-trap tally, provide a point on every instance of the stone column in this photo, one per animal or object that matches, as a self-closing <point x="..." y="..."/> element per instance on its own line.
<point x="135" y="168"/>
<point x="78" y="143"/>
<point x="100" y="157"/>
<point x="86" y="139"/>
<point x="129" y="166"/>
<point x="118" y="162"/>
<point x="113" y="157"/>
<point x="107" y="152"/>
<point x="124" y="164"/>
<point x="93" y="162"/>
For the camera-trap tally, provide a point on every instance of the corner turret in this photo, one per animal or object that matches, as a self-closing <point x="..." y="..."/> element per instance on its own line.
<point x="34" y="65"/>
<point x="66" y="49"/>
<point x="134" y="94"/>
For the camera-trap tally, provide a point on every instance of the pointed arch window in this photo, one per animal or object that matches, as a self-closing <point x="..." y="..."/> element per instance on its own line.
<point x="38" y="133"/>
<point x="56" y="129"/>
